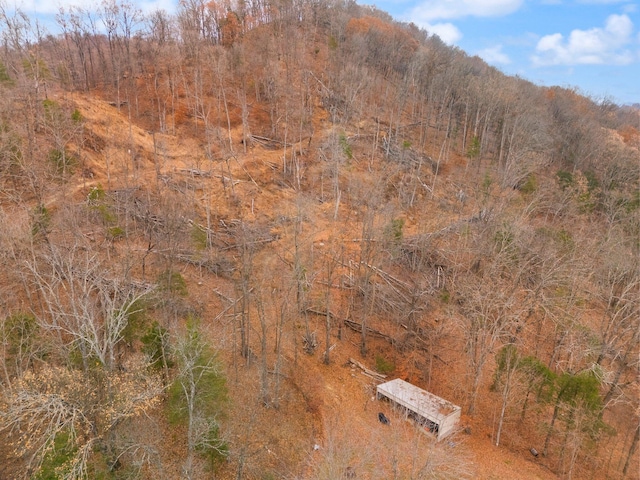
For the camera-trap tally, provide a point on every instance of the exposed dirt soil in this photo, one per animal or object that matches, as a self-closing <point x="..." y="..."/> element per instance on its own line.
<point x="326" y="424"/>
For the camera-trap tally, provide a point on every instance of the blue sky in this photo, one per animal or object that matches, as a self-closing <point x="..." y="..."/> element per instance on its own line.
<point x="593" y="45"/>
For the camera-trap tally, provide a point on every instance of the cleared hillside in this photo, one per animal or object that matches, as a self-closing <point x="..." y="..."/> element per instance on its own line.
<point x="204" y="220"/>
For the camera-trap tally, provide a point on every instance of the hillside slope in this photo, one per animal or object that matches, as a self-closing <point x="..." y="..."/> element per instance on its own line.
<point x="200" y="234"/>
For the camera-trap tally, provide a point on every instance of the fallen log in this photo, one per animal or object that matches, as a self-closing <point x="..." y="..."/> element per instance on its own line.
<point x="195" y="172"/>
<point x="319" y="312"/>
<point x="269" y="143"/>
<point x="367" y="371"/>
<point x="357" y="327"/>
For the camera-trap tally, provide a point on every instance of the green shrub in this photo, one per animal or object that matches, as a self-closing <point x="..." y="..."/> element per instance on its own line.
<point x="199" y="363"/>
<point x="199" y="237"/>
<point x="35" y="68"/>
<point x="137" y="319"/>
<point x="505" y="242"/>
<point x="172" y="282"/>
<point x="115" y="233"/>
<point x="565" y="239"/>
<point x="384" y="366"/>
<point x="20" y="330"/>
<point x="474" y="149"/>
<point x="530" y="185"/>
<point x="10" y="149"/>
<point x="633" y="203"/>
<point x="56" y="458"/>
<point x="199" y="394"/>
<point x="76" y="116"/>
<point x="155" y="344"/>
<point x="592" y="181"/>
<point x="20" y="335"/>
<point x="212" y="448"/>
<point x="82" y="360"/>
<point x="346" y="148"/>
<point x="96" y="195"/>
<point x="445" y="296"/>
<point x="393" y="236"/>
<point x="394" y="230"/>
<point x="5" y="79"/>
<point x="105" y="213"/>
<point x="40" y="221"/>
<point x="49" y="105"/>
<point x="63" y="162"/>
<point x="97" y="202"/>
<point x="565" y="179"/>
<point x="487" y="181"/>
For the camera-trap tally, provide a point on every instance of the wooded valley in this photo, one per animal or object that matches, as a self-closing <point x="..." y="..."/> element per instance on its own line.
<point x="204" y="216"/>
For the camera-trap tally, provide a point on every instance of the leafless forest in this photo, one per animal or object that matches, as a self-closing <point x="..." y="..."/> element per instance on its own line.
<point x="204" y="215"/>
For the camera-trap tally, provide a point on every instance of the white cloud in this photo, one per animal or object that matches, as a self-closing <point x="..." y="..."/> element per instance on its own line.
<point x="595" y="46"/>
<point x="427" y="13"/>
<point x="447" y="32"/>
<point x="430" y="10"/>
<point x="148" y="6"/>
<point x="494" y="55"/>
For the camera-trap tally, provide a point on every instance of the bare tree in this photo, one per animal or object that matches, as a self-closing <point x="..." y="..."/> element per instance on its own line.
<point x="85" y="303"/>
<point x="509" y="374"/>
<point x="489" y="314"/>
<point x="197" y="395"/>
<point x="332" y="260"/>
<point x="491" y="303"/>
<point x="265" y="394"/>
<point x="121" y="19"/>
<point x="244" y="285"/>
<point x="82" y="407"/>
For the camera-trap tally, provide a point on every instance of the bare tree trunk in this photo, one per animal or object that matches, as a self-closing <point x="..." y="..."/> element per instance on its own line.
<point x="330" y="270"/>
<point x="278" y="352"/>
<point x="556" y="410"/>
<point x="246" y="272"/>
<point x="264" y="379"/>
<point x="632" y="451"/>
<point x="503" y="408"/>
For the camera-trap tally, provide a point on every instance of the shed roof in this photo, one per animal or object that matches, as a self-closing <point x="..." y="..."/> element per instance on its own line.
<point x="420" y="401"/>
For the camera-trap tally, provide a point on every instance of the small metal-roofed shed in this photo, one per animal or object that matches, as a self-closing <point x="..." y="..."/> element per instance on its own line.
<point x="438" y="414"/>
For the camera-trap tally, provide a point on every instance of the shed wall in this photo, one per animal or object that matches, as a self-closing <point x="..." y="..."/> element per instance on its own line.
<point x="426" y="405"/>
